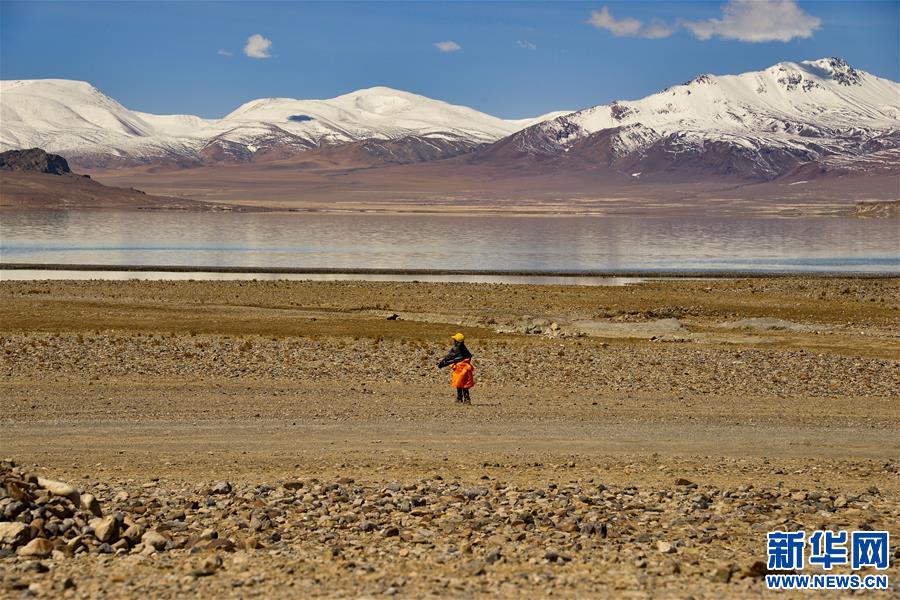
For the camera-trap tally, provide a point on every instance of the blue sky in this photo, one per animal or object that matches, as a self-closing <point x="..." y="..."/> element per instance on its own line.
<point x="511" y="59"/>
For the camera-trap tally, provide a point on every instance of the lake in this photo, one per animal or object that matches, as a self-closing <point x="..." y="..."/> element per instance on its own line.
<point x="483" y="242"/>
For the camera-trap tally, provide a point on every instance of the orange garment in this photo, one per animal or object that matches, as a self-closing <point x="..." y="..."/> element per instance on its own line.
<point x="463" y="374"/>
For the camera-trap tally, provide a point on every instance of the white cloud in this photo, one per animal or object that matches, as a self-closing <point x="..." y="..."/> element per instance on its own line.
<point x="526" y="44"/>
<point x="602" y="19"/>
<point x="448" y="46"/>
<point x="628" y="27"/>
<point x="657" y="30"/>
<point x="757" y="21"/>
<point x="223" y="52"/>
<point x="258" y="46"/>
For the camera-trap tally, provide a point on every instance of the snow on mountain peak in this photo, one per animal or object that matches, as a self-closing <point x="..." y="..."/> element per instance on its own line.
<point x="53" y="106"/>
<point x="837" y="69"/>
<point x="382" y="104"/>
<point x="75" y="119"/>
<point x="705" y="79"/>
<point x="826" y="92"/>
<point x="810" y="107"/>
<point x="786" y="113"/>
<point x="382" y="90"/>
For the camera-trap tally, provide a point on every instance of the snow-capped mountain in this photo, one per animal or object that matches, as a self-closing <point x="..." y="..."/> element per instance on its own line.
<point x="792" y="119"/>
<point x="757" y="125"/>
<point x="74" y="119"/>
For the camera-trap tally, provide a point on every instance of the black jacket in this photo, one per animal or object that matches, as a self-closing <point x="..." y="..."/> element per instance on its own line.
<point x="457" y="353"/>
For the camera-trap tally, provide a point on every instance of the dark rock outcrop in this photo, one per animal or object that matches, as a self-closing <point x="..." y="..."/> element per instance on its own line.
<point x="34" y="160"/>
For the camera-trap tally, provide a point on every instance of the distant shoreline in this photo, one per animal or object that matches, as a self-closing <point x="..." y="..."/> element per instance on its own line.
<point x="637" y="273"/>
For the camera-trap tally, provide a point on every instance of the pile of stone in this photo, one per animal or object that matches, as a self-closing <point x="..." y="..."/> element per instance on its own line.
<point x="42" y="517"/>
<point x="539" y="326"/>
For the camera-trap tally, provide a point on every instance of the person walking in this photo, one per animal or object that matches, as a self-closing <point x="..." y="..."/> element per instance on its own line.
<point x="460" y="359"/>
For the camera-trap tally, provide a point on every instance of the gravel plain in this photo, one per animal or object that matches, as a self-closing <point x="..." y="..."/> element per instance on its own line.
<point x="288" y="439"/>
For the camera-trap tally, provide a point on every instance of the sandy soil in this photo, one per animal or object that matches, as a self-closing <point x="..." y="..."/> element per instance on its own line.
<point x="451" y="187"/>
<point x="633" y="441"/>
<point x="45" y="191"/>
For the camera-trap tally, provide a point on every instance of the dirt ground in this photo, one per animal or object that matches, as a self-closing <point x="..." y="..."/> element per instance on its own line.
<point x="634" y="441"/>
<point x="310" y="181"/>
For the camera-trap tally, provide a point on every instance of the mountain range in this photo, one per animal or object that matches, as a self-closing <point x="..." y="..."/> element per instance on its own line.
<point x="792" y="123"/>
<point x="78" y="121"/>
<point x="758" y="126"/>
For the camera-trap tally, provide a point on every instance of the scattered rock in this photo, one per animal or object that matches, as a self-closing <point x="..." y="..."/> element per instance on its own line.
<point x="721" y="575"/>
<point x="155" y="540"/>
<point x="767" y="324"/>
<point x="474" y="568"/>
<point x="367" y="526"/>
<point x="36" y="548"/>
<point x="475" y="492"/>
<point x="58" y="488"/>
<point x="555" y="557"/>
<point x="493" y="555"/>
<point x="550" y="532"/>
<point x="756" y="570"/>
<point x="209" y="566"/>
<point x="665" y="547"/>
<point x="134" y="534"/>
<point x="90" y="504"/>
<point x="13" y="535"/>
<point x="106" y="529"/>
<point x="220" y="488"/>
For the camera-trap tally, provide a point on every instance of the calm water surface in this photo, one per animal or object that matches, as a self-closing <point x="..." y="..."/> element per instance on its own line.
<point x="451" y="242"/>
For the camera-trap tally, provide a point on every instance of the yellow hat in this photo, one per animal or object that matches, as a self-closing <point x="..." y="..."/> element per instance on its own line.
<point x="458" y="337"/>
